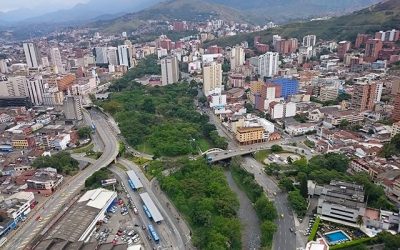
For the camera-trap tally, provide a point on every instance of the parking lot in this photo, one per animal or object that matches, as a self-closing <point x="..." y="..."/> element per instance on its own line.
<point x="120" y="225"/>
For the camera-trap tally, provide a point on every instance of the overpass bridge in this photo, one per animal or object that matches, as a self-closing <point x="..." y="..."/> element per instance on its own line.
<point x="220" y="155"/>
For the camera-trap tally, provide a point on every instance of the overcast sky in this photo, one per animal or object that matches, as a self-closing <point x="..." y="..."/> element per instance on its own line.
<point x="7" y="5"/>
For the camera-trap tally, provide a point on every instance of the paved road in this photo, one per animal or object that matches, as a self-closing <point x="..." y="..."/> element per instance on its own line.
<point x="283" y="238"/>
<point x="180" y="239"/>
<point x="27" y="231"/>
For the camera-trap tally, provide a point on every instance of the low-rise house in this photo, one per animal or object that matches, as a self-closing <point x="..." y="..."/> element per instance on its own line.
<point x="44" y="181"/>
<point x="300" y="128"/>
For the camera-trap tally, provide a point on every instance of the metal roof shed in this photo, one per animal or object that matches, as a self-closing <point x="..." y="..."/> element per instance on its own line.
<point x="135" y="179"/>
<point x="148" y="202"/>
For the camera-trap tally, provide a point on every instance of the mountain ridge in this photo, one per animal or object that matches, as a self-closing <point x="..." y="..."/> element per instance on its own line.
<point x="381" y="16"/>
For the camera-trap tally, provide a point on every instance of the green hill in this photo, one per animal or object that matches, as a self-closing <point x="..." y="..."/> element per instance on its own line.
<point x="382" y="16"/>
<point x="188" y="10"/>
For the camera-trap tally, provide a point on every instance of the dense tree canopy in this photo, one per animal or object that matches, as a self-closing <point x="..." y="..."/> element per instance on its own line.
<point x="163" y="118"/>
<point x="202" y="194"/>
<point x="62" y="161"/>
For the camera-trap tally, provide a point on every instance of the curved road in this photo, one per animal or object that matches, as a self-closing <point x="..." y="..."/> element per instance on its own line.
<point x="29" y="229"/>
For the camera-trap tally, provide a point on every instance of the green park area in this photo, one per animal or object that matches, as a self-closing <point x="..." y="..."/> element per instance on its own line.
<point x="160" y="120"/>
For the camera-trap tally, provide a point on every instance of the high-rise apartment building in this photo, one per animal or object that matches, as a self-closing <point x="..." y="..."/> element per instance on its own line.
<point x="372" y="49"/>
<point x="3" y="67"/>
<point x="309" y="40"/>
<point x="169" y="70"/>
<point x="396" y="108"/>
<point x="286" y="46"/>
<point x="32" y="55"/>
<point x="13" y="86"/>
<point x="388" y="36"/>
<point x="364" y="96"/>
<point x="361" y="40"/>
<point x="35" y="88"/>
<point x="289" y="86"/>
<point x="268" y="64"/>
<point x="100" y="54"/>
<point x="73" y="108"/>
<point x="112" y="55"/>
<point x="343" y="47"/>
<point x="237" y="57"/>
<point x="124" y="56"/>
<point x="56" y="61"/>
<point x="212" y="77"/>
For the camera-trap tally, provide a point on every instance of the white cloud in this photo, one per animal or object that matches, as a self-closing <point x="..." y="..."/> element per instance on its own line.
<point x="45" y="5"/>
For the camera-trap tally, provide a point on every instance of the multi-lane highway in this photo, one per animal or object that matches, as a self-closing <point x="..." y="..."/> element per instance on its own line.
<point x="22" y="238"/>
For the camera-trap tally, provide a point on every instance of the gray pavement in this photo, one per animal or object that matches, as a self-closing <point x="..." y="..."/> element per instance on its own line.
<point x="251" y="225"/>
<point x="22" y="237"/>
<point x="283" y="238"/>
<point x="174" y="229"/>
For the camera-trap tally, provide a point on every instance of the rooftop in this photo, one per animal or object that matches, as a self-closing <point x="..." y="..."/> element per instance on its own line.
<point x="155" y="213"/>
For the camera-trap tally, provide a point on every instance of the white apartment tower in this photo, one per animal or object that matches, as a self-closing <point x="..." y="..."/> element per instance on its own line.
<point x="212" y="78"/>
<point x="237" y="57"/>
<point x="112" y="55"/>
<point x="35" y="90"/>
<point x="124" y="55"/>
<point x="268" y="64"/>
<point x="100" y="54"/>
<point x="169" y="70"/>
<point x="56" y="61"/>
<point x="309" y="40"/>
<point x="13" y="86"/>
<point x="32" y="55"/>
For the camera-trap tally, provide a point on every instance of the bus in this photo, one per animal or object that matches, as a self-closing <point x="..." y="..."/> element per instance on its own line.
<point x="153" y="234"/>
<point x="146" y="210"/>
<point x="131" y="185"/>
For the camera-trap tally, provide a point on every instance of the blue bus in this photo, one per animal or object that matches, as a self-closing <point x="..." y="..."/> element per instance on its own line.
<point x="146" y="210"/>
<point x="153" y="234"/>
<point x="93" y="127"/>
<point x="131" y="185"/>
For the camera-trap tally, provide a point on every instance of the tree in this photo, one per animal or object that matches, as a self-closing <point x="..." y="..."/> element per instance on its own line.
<point x="202" y="99"/>
<point x="302" y="177"/>
<point x="359" y="221"/>
<point x="62" y="161"/>
<point x="249" y="107"/>
<point x="297" y="202"/>
<point x="344" y="124"/>
<point x="268" y="229"/>
<point x="276" y="148"/>
<point x="84" y="132"/>
<point x="286" y="184"/>
<point x="148" y="106"/>
<point x="265" y="208"/>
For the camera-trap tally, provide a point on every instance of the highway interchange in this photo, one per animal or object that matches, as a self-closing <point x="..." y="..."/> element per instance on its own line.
<point x="47" y="211"/>
<point x="174" y="231"/>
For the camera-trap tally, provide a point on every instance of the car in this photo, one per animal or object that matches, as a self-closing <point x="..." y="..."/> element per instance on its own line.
<point x="136" y="225"/>
<point x="114" y="242"/>
<point x="130" y="241"/>
<point x="135" y="237"/>
<point x="291" y="229"/>
<point x="135" y="210"/>
<point x="282" y="215"/>
<point x="136" y="240"/>
<point x="144" y="227"/>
